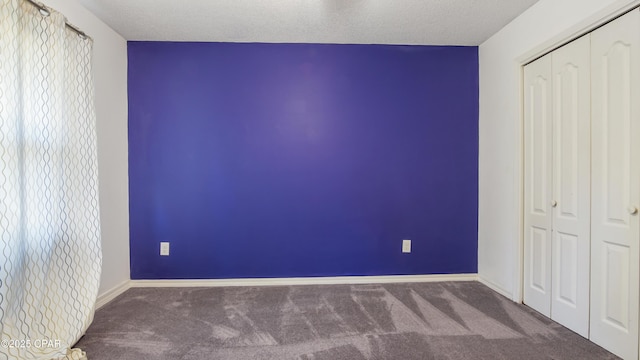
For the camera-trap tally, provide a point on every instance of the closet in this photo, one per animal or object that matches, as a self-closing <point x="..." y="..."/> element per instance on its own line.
<point x="582" y="185"/>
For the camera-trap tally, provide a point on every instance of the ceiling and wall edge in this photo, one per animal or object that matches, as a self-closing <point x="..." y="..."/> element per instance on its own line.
<point x="416" y="22"/>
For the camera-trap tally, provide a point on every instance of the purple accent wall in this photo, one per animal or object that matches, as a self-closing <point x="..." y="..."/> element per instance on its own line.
<point x="292" y="160"/>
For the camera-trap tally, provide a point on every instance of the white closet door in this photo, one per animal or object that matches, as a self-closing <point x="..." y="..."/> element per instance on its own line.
<point x="616" y="185"/>
<point x="537" y="185"/>
<point x="571" y="213"/>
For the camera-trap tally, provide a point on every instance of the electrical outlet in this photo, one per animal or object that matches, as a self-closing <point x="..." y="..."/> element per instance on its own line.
<point x="164" y="249"/>
<point x="406" y="246"/>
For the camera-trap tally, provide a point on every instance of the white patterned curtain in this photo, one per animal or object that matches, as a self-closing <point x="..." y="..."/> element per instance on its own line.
<point x="50" y="256"/>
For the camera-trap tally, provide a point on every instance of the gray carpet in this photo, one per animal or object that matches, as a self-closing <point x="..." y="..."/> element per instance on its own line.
<point x="462" y="320"/>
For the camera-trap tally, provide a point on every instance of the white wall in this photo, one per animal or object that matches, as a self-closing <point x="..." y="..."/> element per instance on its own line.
<point x="110" y="77"/>
<point x="500" y="161"/>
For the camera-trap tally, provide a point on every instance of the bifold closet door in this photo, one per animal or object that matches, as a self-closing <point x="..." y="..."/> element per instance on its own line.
<point x="615" y="226"/>
<point x="570" y="204"/>
<point x="557" y="177"/>
<point x="537" y="185"/>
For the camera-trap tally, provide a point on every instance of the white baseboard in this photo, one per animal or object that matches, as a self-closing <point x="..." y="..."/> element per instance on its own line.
<point x="495" y="288"/>
<point x="304" y="281"/>
<point x="111" y="294"/>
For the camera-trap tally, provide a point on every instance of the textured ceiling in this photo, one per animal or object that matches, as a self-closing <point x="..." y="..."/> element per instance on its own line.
<point x="426" y="22"/>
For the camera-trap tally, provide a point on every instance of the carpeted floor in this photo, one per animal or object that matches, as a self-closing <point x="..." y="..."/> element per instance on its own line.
<point x="462" y="320"/>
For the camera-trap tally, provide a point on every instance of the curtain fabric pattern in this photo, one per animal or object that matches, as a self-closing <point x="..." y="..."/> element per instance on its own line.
<point x="50" y="257"/>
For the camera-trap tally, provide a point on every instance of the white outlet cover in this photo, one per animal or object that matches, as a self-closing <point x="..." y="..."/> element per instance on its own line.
<point x="164" y="249"/>
<point x="406" y="246"/>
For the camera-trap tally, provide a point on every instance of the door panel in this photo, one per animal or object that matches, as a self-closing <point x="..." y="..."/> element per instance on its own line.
<point x="539" y="266"/>
<point x="615" y="228"/>
<point x="566" y="250"/>
<point x="571" y="68"/>
<point x="537" y="187"/>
